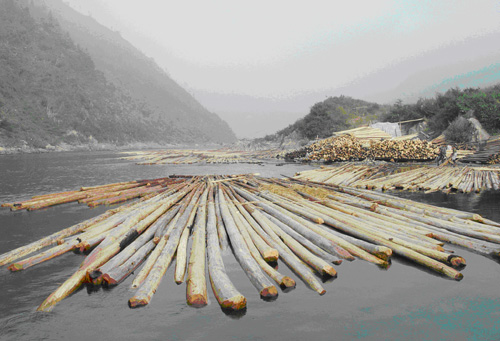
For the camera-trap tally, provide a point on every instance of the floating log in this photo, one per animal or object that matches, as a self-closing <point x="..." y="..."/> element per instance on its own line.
<point x="248" y="263"/>
<point x="196" y="288"/>
<point x="303" y="223"/>
<point x="245" y="229"/>
<point x="225" y="292"/>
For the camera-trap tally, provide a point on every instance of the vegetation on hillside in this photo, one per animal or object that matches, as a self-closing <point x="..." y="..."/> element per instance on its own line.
<point x="445" y="113"/>
<point x="445" y="108"/>
<point x="141" y="78"/>
<point x="330" y="115"/>
<point x="51" y="92"/>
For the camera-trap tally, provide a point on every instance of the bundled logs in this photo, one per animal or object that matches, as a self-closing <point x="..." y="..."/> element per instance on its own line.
<point x="490" y="154"/>
<point x="350" y="148"/>
<point x="96" y="195"/>
<point x="309" y="226"/>
<point x="403" y="150"/>
<point x="187" y="156"/>
<point x="342" y="148"/>
<point x="423" y="178"/>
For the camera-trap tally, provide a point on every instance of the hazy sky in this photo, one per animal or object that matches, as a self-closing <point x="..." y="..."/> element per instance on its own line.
<point x="241" y="57"/>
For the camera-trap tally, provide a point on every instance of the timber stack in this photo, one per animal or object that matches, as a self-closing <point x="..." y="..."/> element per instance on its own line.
<point x="403" y="150"/>
<point x="309" y="226"/>
<point x="342" y="148"/>
<point x="349" y="148"/>
<point x="414" y="178"/>
<point x="489" y="154"/>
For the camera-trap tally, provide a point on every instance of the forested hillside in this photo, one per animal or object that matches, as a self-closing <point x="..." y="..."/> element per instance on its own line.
<point x="141" y="78"/>
<point x="333" y="114"/>
<point x="443" y="109"/>
<point x="51" y="92"/>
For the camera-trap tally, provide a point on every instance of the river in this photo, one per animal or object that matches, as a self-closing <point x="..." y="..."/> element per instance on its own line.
<point x="364" y="302"/>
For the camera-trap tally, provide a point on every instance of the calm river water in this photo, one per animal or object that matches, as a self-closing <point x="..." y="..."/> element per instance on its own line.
<point x="405" y="302"/>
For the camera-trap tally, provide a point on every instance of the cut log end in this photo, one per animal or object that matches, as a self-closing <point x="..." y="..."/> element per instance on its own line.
<point x="136" y="302"/>
<point x="15" y="267"/>
<point x="457" y="262"/>
<point x="82" y="247"/>
<point x="197" y="300"/>
<point x="287" y="283"/>
<point x="384" y="253"/>
<point x="110" y="282"/>
<point x="329" y="271"/>
<point x="271" y="256"/>
<point x="235" y="303"/>
<point x="269" y="292"/>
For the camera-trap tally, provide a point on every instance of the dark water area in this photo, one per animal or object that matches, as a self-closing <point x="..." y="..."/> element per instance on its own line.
<point x="405" y="302"/>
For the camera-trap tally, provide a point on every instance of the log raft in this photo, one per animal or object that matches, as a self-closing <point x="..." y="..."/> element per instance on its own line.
<point x="307" y="225"/>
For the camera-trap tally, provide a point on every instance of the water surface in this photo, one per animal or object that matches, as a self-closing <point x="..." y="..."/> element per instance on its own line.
<point x="364" y="302"/>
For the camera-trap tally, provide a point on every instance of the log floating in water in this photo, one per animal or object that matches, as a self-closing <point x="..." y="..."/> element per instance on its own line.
<point x="302" y="222"/>
<point x="424" y="178"/>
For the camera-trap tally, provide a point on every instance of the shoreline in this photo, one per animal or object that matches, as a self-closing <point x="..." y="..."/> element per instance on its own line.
<point x="100" y="147"/>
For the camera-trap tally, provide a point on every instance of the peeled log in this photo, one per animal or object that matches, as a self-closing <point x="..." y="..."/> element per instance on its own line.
<point x="196" y="288"/>
<point x="242" y="254"/>
<point x="225" y="292"/>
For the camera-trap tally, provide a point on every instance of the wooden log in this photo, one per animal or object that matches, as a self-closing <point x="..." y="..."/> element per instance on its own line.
<point x="244" y="227"/>
<point x="297" y="266"/>
<point x="130" y="229"/>
<point x="322" y="267"/>
<point x="340" y="222"/>
<point x="269" y="254"/>
<point x="22" y="251"/>
<point x="119" y="273"/>
<point x="223" y="239"/>
<point x="181" y="256"/>
<point x="225" y="292"/>
<point x="131" y="249"/>
<point x="253" y="271"/>
<point x="196" y="288"/>
<point x="41" y="257"/>
<point x="147" y="289"/>
<point x="74" y="282"/>
<point x="307" y="232"/>
<point x="301" y="239"/>
<point x="150" y="262"/>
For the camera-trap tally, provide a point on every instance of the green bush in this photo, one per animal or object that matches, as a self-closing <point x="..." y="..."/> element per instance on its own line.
<point x="459" y="131"/>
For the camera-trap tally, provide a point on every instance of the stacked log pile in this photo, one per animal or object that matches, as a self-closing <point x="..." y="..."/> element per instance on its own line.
<point x="416" y="178"/>
<point x="308" y="226"/>
<point x="348" y="148"/>
<point x="490" y="154"/>
<point x="342" y="148"/>
<point x="297" y="154"/>
<point x="403" y="150"/>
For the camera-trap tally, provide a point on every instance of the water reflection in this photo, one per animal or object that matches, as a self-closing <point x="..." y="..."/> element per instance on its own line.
<point x="234" y="314"/>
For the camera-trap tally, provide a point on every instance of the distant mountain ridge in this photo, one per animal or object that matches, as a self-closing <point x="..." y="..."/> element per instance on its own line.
<point x="66" y="79"/>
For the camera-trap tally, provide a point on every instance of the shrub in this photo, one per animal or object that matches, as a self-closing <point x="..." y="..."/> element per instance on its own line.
<point x="459" y="131"/>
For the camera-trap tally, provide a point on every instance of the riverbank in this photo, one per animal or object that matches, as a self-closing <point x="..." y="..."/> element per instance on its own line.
<point x="89" y="147"/>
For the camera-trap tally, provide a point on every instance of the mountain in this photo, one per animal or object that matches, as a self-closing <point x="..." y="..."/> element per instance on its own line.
<point x="57" y="88"/>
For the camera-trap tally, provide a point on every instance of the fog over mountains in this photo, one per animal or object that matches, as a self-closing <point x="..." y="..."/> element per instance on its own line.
<point x="67" y="80"/>
<point x="300" y="54"/>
